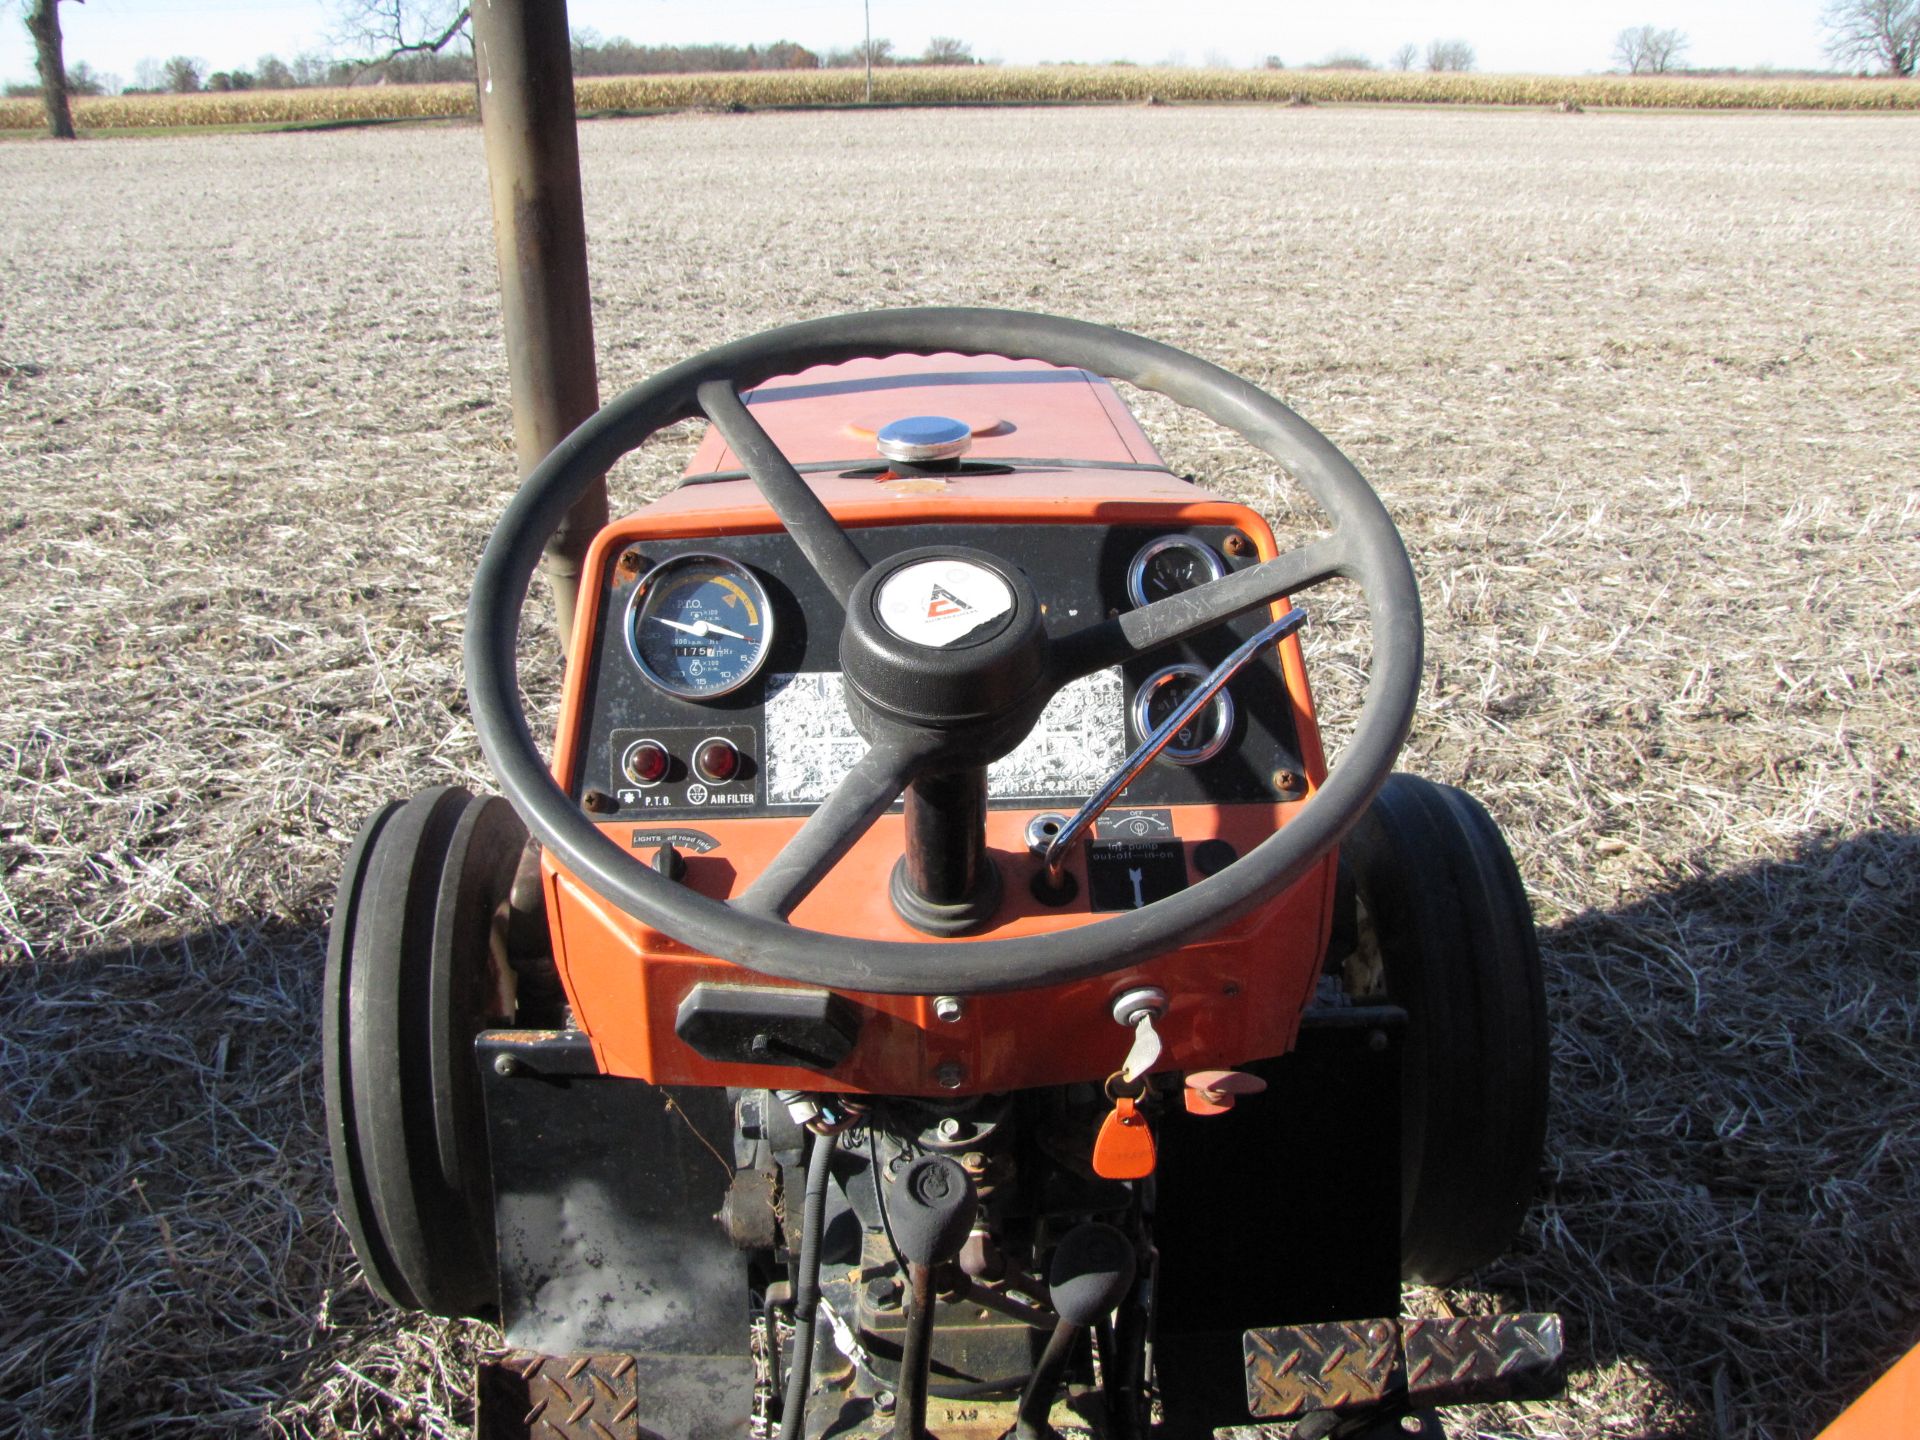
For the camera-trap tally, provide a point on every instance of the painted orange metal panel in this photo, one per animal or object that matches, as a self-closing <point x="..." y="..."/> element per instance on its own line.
<point x="1889" y="1411"/>
<point x="1020" y="408"/>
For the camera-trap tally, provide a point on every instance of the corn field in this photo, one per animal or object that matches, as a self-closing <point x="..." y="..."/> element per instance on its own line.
<point x="1061" y="84"/>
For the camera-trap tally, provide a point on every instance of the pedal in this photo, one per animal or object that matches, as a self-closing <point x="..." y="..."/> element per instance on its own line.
<point x="1293" y="1370"/>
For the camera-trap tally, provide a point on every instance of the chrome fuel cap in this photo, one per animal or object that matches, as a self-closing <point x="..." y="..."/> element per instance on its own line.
<point x="920" y="438"/>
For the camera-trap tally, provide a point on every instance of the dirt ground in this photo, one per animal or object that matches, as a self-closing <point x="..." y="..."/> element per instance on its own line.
<point x="1641" y="390"/>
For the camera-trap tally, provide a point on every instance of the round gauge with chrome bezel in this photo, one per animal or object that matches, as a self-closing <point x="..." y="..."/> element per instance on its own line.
<point x="1169" y="565"/>
<point x="1202" y="737"/>
<point x="699" y="626"/>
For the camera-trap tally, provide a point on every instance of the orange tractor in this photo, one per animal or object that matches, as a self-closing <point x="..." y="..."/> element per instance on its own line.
<point x="937" y="983"/>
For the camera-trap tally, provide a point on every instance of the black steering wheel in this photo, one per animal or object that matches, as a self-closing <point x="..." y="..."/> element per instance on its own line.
<point x="908" y="736"/>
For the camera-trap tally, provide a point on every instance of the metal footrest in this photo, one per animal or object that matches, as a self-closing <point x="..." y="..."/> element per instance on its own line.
<point x="1354" y="1364"/>
<point x="522" y="1395"/>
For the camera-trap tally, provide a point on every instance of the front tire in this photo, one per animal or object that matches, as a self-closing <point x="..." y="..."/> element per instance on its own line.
<point x="1444" y="928"/>
<point x="408" y="986"/>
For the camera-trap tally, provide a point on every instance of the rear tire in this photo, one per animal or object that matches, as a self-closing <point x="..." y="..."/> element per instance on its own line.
<point x="1442" y="908"/>
<point x="408" y="986"/>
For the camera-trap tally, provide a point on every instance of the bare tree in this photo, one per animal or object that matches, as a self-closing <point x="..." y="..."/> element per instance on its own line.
<point x="1881" y="33"/>
<point x="1403" y="58"/>
<point x="43" y="23"/>
<point x="1449" y="55"/>
<point x="1648" y="50"/>
<point x="383" y="30"/>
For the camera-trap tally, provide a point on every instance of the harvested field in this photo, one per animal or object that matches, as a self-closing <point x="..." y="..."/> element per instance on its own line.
<point x="1642" y="392"/>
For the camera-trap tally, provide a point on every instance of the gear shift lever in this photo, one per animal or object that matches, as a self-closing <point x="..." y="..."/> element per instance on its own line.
<point x="932" y="1203"/>
<point x="1091" y="1272"/>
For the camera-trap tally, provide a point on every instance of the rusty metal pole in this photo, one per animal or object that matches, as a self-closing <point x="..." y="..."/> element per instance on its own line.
<point x="524" y="58"/>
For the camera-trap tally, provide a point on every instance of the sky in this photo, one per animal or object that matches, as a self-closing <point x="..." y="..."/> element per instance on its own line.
<point x="1526" y="36"/>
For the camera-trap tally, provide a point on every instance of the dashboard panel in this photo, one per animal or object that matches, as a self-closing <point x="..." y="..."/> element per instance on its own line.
<point x="715" y="689"/>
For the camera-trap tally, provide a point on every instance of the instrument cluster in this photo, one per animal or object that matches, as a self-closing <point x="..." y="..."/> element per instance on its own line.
<point x="714" y="690"/>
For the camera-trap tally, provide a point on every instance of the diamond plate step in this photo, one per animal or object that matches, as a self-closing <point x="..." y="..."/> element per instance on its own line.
<point x="526" y="1396"/>
<point x="1294" y="1370"/>
<point x="1498" y="1357"/>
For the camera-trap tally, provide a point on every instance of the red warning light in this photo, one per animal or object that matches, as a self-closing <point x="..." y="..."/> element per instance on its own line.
<point x="716" y="761"/>
<point x="647" y="762"/>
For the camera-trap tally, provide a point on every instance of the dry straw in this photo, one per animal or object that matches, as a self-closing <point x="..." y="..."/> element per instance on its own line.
<point x="1640" y="390"/>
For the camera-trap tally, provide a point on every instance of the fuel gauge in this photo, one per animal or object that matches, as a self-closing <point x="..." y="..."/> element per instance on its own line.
<point x="1169" y="565"/>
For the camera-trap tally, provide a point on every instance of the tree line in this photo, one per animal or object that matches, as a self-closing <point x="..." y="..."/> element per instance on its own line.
<point x="1865" y="35"/>
<point x="415" y="41"/>
<point x="1441" y="56"/>
<point x="592" y="55"/>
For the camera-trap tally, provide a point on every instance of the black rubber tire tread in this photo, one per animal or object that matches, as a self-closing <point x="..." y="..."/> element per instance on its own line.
<point x="478" y="873"/>
<point x="1460" y="955"/>
<point x="419" y="1237"/>
<point x="349" y="1175"/>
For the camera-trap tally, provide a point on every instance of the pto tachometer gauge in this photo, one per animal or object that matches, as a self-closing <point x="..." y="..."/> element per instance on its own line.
<point x="699" y="626"/>
<point x="1169" y="565"/>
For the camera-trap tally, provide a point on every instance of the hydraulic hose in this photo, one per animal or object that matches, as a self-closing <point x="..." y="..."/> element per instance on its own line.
<point x="806" y="1288"/>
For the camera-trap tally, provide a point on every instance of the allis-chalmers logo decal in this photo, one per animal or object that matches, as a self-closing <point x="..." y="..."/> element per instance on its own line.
<point x="943" y="604"/>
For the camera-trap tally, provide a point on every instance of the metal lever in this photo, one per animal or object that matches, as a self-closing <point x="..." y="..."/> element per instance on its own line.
<point x="934" y="1204"/>
<point x="1092" y="1271"/>
<point x="1065" y="838"/>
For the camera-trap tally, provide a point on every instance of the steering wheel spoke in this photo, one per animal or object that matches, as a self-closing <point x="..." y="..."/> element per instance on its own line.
<point x="861" y="798"/>
<point x="828" y="548"/>
<point x="1109" y="642"/>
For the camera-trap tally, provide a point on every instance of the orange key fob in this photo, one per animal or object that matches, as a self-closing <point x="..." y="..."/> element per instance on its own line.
<point x="1124" y="1148"/>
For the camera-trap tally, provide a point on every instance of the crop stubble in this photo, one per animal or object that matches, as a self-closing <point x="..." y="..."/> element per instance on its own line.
<point x="1641" y="391"/>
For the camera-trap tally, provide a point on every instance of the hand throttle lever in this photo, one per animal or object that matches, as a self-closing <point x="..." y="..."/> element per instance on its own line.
<point x="1068" y="835"/>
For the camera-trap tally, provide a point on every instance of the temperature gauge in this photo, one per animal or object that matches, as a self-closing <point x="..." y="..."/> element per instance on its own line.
<point x="1169" y="565"/>
<point x="699" y="626"/>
